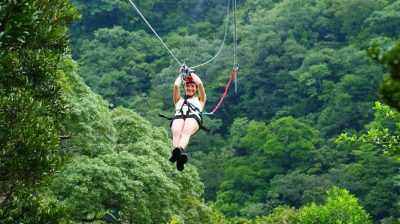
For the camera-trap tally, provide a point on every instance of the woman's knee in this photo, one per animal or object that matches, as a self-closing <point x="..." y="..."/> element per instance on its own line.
<point x="191" y="126"/>
<point x="176" y="132"/>
<point x="176" y="127"/>
<point x="189" y="130"/>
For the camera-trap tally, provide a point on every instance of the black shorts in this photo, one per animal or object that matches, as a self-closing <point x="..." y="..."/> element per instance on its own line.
<point x="199" y="120"/>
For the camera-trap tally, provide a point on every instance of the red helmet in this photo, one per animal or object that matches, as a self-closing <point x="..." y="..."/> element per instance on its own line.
<point x="189" y="79"/>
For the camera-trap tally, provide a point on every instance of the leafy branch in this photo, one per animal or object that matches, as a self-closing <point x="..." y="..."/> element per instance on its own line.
<point x="390" y="142"/>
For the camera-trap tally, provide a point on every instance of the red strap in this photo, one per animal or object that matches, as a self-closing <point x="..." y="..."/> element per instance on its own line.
<point x="233" y="73"/>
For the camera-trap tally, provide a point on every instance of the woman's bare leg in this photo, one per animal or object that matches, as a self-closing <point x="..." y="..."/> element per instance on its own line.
<point x="176" y="129"/>
<point x="189" y="128"/>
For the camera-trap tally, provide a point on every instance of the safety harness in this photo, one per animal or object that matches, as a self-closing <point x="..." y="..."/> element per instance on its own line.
<point x="183" y="115"/>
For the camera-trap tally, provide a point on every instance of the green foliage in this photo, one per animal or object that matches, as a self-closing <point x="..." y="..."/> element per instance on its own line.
<point x="119" y="171"/>
<point x="130" y="126"/>
<point x="271" y="150"/>
<point x="354" y="116"/>
<point x="25" y="24"/>
<point x="315" y="80"/>
<point x="241" y="220"/>
<point x="297" y="188"/>
<point x="367" y="177"/>
<point x="390" y="88"/>
<point x="211" y="170"/>
<point x="289" y="140"/>
<point x="29" y="149"/>
<point x="237" y="131"/>
<point x="304" y="59"/>
<point x="382" y="22"/>
<point x="37" y="207"/>
<point x="121" y="184"/>
<point x="339" y="207"/>
<point x="379" y="135"/>
<point x="88" y="126"/>
<point x="164" y="16"/>
<point x="286" y="215"/>
<point x="95" y="15"/>
<point x="383" y="131"/>
<point x="196" y="212"/>
<point x="29" y="152"/>
<point x="352" y="14"/>
<point x="115" y="64"/>
<point x="33" y="38"/>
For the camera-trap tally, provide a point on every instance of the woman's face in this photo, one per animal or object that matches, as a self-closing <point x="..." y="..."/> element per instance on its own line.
<point x="190" y="89"/>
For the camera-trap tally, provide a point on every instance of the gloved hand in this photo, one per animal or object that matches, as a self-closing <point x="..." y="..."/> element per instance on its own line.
<point x="185" y="72"/>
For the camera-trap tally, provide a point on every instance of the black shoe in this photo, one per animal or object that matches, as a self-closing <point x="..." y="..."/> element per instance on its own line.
<point x="183" y="158"/>
<point x="176" y="152"/>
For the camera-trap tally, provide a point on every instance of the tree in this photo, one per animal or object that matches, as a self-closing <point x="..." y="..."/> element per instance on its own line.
<point x="352" y="94"/>
<point x="378" y="133"/>
<point x="390" y="88"/>
<point x="296" y="188"/>
<point x="116" y="66"/>
<point x="33" y="38"/>
<point x="289" y="144"/>
<point x="352" y="14"/>
<point x="388" y="93"/>
<point x="315" y="80"/>
<point x="304" y="59"/>
<point x="119" y="169"/>
<point x="267" y="151"/>
<point x="339" y="207"/>
<point x="377" y="172"/>
<point x="382" y="22"/>
<point x="369" y="172"/>
<point x="280" y="214"/>
<point x="120" y="186"/>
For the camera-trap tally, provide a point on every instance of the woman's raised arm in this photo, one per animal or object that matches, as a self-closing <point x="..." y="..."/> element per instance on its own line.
<point x="200" y="86"/>
<point x="177" y="91"/>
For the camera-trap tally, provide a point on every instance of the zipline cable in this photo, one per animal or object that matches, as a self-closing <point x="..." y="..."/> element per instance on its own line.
<point x="165" y="45"/>
<point x="148" y="24"/>
<point x="234" y="33"/>
<point x="235" y="43"/>
<point x="235" y="65"/>
<point x="223" y="41"/>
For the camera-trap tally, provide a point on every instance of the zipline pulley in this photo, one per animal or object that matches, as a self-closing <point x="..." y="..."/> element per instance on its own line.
<point x="185" y="71"/>
<point x="236" y="66"/>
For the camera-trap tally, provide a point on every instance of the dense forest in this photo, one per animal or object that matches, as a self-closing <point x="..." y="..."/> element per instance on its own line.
<point x="308" y="133"/>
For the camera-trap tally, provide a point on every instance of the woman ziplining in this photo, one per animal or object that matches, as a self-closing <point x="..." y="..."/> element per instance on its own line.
<point x="187" y="119"/>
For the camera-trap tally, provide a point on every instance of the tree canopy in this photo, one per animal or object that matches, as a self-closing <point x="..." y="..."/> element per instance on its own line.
<point x="310" y="134"/>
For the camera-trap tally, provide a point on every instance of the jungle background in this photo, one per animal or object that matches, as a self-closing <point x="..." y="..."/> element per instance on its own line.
<point x="311" y="134"/>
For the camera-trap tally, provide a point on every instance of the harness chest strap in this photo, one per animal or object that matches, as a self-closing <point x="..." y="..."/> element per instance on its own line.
<point x="190" y="105"/>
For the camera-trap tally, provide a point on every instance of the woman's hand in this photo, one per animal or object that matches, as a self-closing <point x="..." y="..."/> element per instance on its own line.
<point x="196" y="79"/>
<point x="200" y="87"/>
<point x="178" y="81"/>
